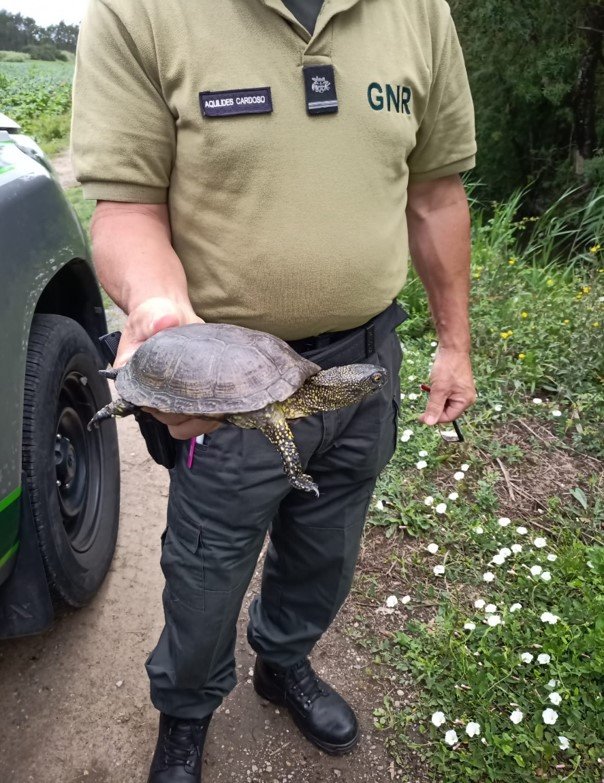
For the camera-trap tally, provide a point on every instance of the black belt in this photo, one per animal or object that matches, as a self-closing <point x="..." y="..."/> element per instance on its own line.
<point x="354" y="345"/>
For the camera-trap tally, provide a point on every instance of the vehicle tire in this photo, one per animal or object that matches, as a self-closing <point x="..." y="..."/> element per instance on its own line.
<point x="72" y="474"/>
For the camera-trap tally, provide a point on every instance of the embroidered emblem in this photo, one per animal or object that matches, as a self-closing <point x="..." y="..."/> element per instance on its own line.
<point x="320" y="84"/>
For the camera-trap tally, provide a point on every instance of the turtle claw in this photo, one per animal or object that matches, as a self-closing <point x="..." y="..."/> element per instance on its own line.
<point x="305" y="483"/>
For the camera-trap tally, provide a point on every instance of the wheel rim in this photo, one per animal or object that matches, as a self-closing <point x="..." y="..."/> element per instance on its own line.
<point x="77" y="458"/>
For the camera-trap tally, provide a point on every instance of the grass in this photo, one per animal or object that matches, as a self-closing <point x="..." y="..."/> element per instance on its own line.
<point x="532" y="456"/>
<point x="83" y="207"/>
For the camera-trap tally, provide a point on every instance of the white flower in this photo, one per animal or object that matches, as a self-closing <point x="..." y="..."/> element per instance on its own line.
<point x="473" y="729"/>
<point x="451" y="737"/>
<point x="438" y="718"/>
<point x="479" y="530"/>
<point x="421" y="464"/>
<point x="515" y="607"/>
<point x="498" y="560"/>
<point x="405" y="438"/>
<point x="391" y="601"/>
<point x="469" y="626"/>
<point x="526" y="657"/>
<point x="546" y="576"/>
<point x="493" y="620"/>
<point x="433" y="344"/>
<point x="536" y="570"/>
<point x="411" y="378"/>
<point x="479" y="603"/>
<point x="549" y="716"/>
<point x="423" y="454"/>
<point x="537" y="400"/>
<point x="488" y="576"/>
<point x="432" y="548"/>
<point x="555" y="698"/>
<point x="497" y="408"/>
<point x="405" y="599"/>
<point x="504" y="521"/>
<point x="540" y="543"/>
<point x="413" y="396"/>
<point x="490" y="608"/>
<point x="557" y="414"/>
<point x="453" y="495"/>
<point x="429" y="500"/>
<point x="408" y="433"/>
<point x="522" y="531"/>
<point x="379" y="505"/>
<point x="465" y="467"/>
<point x="543" y="659"/>
<point x="441" y="508"/>
<point x="548" y="617"/>
<point x="563" y="743"/>
<point x="516" y="717"/>
<point x="505" y="552"/>
<point x="459" y="476"/>
<point x="552" y="684"/>
<point x="438" y="570"/>
<point x="516" y="548"/>
<point x="552" y="558"/>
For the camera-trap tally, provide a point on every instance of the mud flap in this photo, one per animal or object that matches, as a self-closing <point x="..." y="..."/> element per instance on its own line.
<point x="25" y="603"/>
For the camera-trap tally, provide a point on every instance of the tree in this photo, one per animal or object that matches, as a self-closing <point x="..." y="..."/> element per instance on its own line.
<point x="536" y="78"/>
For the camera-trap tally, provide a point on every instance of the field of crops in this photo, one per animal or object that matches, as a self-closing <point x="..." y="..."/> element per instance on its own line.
<point x="37" y="95"/>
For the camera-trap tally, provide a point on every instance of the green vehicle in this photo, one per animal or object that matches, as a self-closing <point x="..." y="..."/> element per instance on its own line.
<point x="59" y="483"/>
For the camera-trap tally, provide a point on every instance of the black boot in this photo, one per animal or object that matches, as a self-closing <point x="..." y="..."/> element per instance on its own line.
<point x="318" y="711"/>
<point x="179" y="750"/>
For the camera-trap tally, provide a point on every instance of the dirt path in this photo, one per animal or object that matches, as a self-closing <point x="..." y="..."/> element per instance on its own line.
<point x="75" y="706"/>
<point x="64" y="170"/>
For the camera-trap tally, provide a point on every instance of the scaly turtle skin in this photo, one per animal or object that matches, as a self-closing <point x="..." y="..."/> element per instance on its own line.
<point x="248" y="378"/>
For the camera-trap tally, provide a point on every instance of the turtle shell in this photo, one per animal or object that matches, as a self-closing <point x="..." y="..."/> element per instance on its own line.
<point x="212" y="369"/>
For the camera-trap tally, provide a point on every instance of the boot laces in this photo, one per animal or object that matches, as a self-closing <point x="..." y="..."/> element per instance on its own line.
<point x="306" y="683"/>
<point x="180" y="742"/>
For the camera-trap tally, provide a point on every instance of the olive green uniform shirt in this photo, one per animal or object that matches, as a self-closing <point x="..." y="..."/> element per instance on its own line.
<point x="284" y="221"/>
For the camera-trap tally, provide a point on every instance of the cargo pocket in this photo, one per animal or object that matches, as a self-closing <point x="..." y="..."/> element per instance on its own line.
<point x="182" y="563"/>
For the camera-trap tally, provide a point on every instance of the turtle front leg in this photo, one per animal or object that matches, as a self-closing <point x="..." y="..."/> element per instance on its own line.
<point x="272" y="422"/>
<point x="118" y="407"/>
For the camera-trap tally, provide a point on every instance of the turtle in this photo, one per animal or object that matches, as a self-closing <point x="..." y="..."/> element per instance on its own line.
<point x="248" y="378"/>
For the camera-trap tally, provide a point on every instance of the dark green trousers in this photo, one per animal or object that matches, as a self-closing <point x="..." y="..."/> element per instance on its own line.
<point x="219" y="512"/>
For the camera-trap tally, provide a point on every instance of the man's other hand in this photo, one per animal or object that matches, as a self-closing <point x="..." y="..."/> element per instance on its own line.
<point x="452" y="387"/>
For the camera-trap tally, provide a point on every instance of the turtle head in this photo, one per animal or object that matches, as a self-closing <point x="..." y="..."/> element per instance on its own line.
<point x="346" y="385"/>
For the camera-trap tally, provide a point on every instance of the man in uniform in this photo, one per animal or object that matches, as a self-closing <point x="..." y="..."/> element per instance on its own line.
<point x="270" y="163"/>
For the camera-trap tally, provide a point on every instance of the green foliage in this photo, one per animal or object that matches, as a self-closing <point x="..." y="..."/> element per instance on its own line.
<point x="38" y="97"/>
<point x="13" y="57"/>
<point x="46" y="51"/>
<point x="18" y="32"/>
<point x="524" y="61"/>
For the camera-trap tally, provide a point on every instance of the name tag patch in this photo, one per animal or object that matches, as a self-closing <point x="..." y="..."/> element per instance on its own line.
<point x="228" y="103"/>
<point x="320" y="84"/>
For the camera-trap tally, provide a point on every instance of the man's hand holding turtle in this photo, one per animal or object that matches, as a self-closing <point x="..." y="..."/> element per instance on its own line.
<point x="145" y="320"/>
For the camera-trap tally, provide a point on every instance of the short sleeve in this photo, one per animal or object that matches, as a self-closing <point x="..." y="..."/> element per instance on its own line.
<point x="446" y="138"/>
<point x="123" y="133"/>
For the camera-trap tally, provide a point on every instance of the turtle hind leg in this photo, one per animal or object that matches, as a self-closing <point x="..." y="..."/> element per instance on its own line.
<point x="273" y="424"/>
<point x="118" y="407"/>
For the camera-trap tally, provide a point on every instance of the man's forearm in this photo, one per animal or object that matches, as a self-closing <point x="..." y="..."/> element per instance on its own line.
<point x="438" y="219"/>
<point x="133" y="255"/>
